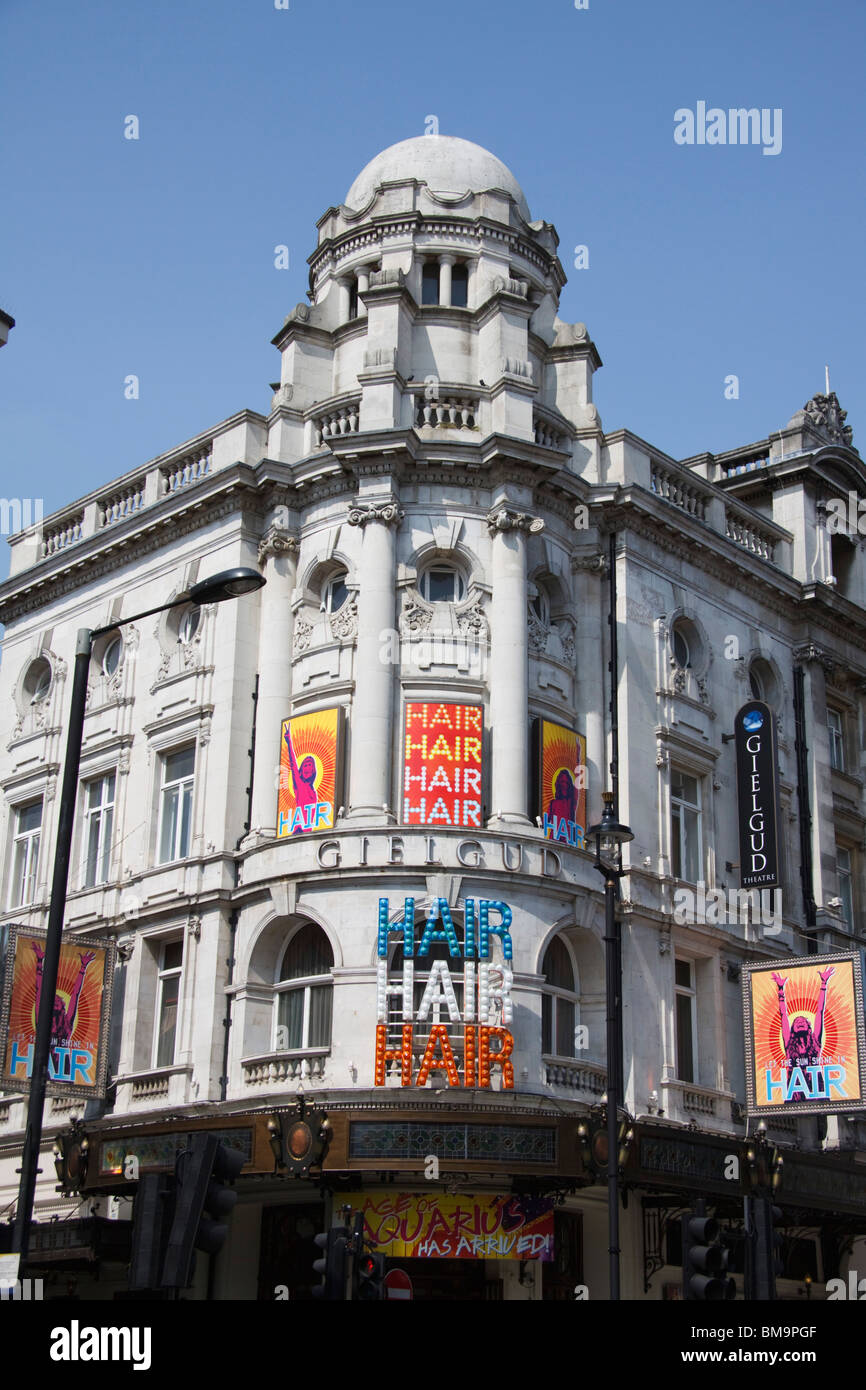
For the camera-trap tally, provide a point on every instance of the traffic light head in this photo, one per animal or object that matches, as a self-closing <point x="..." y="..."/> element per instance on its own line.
<point x="369" y="1276"/>
<point x="705" y="1261"/>
<point x="331" y="1264"/>
<point x="201" y="1204"/>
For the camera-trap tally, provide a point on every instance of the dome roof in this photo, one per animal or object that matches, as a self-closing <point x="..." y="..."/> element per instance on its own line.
<point x="445" y="163"/>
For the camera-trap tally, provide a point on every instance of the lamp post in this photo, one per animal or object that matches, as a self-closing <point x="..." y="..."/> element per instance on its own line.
<point x="228" y="584"/>
<point x="610" y="836"/>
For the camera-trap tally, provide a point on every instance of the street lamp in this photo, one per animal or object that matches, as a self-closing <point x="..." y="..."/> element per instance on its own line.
<point x="610" y="836"/>
<point x="229" y="584"/>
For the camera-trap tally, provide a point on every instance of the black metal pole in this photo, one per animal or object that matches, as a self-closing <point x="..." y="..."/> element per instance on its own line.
<point x="612" y="989"/>
<point x="51" y="963"/>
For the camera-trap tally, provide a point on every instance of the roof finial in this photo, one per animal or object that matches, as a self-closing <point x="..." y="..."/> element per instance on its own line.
<point x="826" y="381"/>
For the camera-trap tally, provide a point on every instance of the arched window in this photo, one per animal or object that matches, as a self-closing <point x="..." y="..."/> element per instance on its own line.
<point x="111" y="656"/>
<point x="188" y="625"/>
<point x="334" y="592"/>
<point x="37" y="682"/>
<point x="558" y="1001"/>
<point x="304" y="992"/>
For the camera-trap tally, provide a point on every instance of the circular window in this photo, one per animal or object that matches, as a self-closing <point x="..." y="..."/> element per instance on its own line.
<point x="111" y="656"/>
<point x="188" y="625"/>
<point x="335" y="593"/>
<point x="442" y="583"/>
<point x="37" y="682"/>
<point x="682" y="650"/>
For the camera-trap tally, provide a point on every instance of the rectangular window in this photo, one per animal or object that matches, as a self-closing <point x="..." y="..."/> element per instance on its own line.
<point x="836" y="730"/>
<point x="168" y="993"/>
<point x="98" y="826"/>
<point x="685" y="1019"/>
<point x="686" y="849"/>
<point x="178" y="771"/>
<point x="846" y="893"/>
<point x="25" y="854"/>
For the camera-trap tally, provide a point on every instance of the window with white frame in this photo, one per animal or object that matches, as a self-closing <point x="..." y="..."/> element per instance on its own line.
<point x="304" y="992"/>
<point x="335" y="592"/>
<point x="685" y="1000"/>
<point x="836" y="731"/>
<point x="188" y="625"/>
<point x="559" y="1002"/>
<point x="441" y="583"/>
<point x="846" y="890"/>
<point x="686" y="846"/>
<point x="25" y="854"/>
<point x="178" y="776"/>
<point x="98" y="827"/>
<point x="167" y="997"/>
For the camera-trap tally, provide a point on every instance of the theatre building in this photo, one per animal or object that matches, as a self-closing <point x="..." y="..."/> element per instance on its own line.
<point x="337" y="829"/>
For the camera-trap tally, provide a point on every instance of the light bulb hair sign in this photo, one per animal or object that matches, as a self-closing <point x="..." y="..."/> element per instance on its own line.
<point x="475" y="1043"/>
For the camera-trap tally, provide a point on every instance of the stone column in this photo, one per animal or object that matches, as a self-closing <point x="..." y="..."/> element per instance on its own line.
<point x="278" y="557"/>
<point x="363" y="274"/>
<point x="343" y="288"/>
<point x="445" y="264"/>
<point x="372" y="704"/>
<point x="509" y="666"/>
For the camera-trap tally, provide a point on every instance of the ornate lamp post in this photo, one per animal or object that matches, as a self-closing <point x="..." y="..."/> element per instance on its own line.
<point x="229" y="584"/>
<point x="610" y="836"/>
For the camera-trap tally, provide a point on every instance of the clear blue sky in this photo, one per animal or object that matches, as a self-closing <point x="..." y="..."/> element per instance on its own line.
<point x="156" y="256"/>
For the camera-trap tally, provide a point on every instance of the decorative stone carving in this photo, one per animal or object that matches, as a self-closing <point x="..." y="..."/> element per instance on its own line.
<point x="301" y="638"/>
<point x="703" y="693"/>
<point x="565" y="630"/>
<point x="123" y="761"/>
<point x="388" y="513"/>
<point x="679" y="680"/>
<point x="515" y="366"/>
<point x="827" y="415"/>
<point x="204" y="731"/>
<point x="504" y="284"/>
<point x="282" y="395"/>
<point x="416" y="616"/>
<point x="537" y="633"/>
<point x="592" y="564"/>
<point x="344" y="623"/>
<point x="125" y="949"/>
<point x="507" y="519"/>
<point x="193" y="927"/>
<point x="380" y="357"/>
<point x="472" y="621"/>
<point x="391" y="275"/>
<point x="810" y="651"/>
<point x="662" y="757"/>
<point x="276" y="541"/>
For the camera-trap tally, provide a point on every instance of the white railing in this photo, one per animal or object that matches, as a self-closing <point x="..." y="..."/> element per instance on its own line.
<point x="63" y="533"/>
<point x="119" y="505"/>
<point x="748" y="467"/>
<point x="150" y="1087"/>
<point x="677" y="489"/>
<point x="275" y="1068"/>
<point x="337" y="420"/>
<point x="191" y="468"/>
<point x="748" y="535"/>
<point x="576" y="1076"/>
<point x="453" y="410"/>
<point x="547" y="434"/>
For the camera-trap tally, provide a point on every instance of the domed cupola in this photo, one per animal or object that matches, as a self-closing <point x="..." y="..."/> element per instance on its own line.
<point x="434" y="308"/>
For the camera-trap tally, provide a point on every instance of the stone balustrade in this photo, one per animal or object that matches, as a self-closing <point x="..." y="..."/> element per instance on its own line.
<point x="449" y="410"/>
<point x="117" y="506"/>
<point x="744" y="531"/>
<point x="575" y="1076"/>
<point x="679" y="490"/>
<point x="338" y="419"/>
<point x="274" y="1069"/>
<point x="185" y="471"/>
<point x="63" y="533"/>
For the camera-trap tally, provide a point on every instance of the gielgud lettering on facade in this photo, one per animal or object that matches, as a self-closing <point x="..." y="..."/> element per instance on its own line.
<point x="486" y="989"/>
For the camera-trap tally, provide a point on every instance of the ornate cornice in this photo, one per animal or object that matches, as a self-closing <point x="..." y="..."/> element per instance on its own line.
<point x="362" y="513"/>
<point x="507" y="519"/>
<point x="809" y="652"/>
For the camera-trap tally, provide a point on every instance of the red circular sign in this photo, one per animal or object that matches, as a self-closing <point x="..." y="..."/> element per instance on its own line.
<point x="398" y="1284"/>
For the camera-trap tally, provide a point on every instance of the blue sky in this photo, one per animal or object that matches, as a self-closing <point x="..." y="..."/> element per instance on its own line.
<point x="156" y="256"/>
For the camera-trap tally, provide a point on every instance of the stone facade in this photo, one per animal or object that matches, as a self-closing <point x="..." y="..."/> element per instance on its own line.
<point x="434" y="414"/>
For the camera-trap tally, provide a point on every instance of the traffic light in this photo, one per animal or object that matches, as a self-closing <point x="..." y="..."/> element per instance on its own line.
<point x="767" y="1263"/>
<point x="333" y="1264"/>
<point x="705" y="1260"/>
<point x="368" y="1276"/>
<point x="202" y="1203"/>
<point x="150" y="1220"/>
